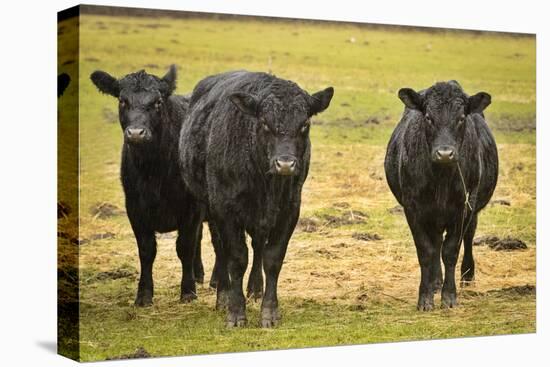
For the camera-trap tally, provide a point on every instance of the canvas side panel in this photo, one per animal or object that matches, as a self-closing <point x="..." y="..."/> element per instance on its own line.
<point x="67" y="184"/>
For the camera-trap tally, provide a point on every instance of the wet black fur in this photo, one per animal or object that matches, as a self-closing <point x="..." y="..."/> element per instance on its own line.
<point x="226" y="154"/>
<point x="432" y="194"/>
<point x="156" y="198"/>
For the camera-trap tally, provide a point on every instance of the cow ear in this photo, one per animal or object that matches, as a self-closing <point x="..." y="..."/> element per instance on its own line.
<point x="477" y="103"/>
<point x="105" y="83"/>
<point x="320" y="101"/>
<point x="170" y="79"/>
<point x="245" y="102"/>
<point x="410" y="98"/>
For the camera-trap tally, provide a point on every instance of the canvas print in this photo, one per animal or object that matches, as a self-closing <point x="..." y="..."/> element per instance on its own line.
<point x="240" y="183"/>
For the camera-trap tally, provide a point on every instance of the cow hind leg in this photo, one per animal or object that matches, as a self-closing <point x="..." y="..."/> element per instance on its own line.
<point x="236" y="253"/>
<point x="255" y="287"/>
<point x="198" y="268"/>
<point x="467" y="270"/>
<point x="186" y="245"/>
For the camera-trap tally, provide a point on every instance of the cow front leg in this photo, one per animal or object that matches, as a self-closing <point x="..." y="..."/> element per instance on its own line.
<point x="428" y="254"/>
<point x="451" y="248"/>
<point x="147" y="247"/>
<point x="273" y="255"/>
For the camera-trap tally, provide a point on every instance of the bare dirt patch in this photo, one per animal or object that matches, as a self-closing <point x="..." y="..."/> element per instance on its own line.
<point x="364" y="236"/>
<point x="498" y="244"/>
<point x="105" y="210"/>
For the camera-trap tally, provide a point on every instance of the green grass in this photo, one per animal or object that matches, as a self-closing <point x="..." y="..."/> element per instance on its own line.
<point x="334" y="289"/>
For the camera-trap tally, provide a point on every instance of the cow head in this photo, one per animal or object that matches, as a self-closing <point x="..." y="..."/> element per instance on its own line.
<point x="446" y="111"/>
<point x="283" y="121"/>
<point x="141" y="99"/>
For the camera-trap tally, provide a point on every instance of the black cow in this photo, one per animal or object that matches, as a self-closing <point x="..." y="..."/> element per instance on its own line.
<point x="442" y="166"/>
<point x="156" y="199"/>
<point x="245" y="151"/>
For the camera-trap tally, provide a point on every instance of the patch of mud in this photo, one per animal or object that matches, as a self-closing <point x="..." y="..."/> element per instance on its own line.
<point x="498" y="244"/>
<point x="327" y="254"/>
<point x="522" y="290"/>
<point x="139" y="353"/>
<point x="514" y="291"/>
<point x="344" y="217"/>
<point x="500" y="202"/>
<point x="309" y="225"/>
<point x="364" y="236"/>
<point x="115" y="274"/>
<point x="372" y="120"/>
<point x="105" y="210"/>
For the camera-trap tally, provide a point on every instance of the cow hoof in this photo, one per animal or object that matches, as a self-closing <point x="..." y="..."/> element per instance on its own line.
<point x="425" y="303"/>
<point x="199" y="279"/>
<point x="448" y="300"/>
<point x="144" y="300"/>
<point x="270" y="318"/>
<point x="235" y="320"/>
<point x="467" y="280"/>
<point x="187" y="297"/>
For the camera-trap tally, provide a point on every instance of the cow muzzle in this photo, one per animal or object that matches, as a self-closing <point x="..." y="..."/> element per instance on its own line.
<point x="135" y="135"/>
<point x="285" y="165"/>
<point x="444" y="155"/>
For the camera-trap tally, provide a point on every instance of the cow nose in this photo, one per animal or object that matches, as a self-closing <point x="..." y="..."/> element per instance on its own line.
<point x="445" y="155"/>
<point x="285" y="165"/>
<point x="135" y="134"/>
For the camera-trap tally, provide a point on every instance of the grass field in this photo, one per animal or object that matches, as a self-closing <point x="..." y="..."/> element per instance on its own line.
<point x="334" y="288"/>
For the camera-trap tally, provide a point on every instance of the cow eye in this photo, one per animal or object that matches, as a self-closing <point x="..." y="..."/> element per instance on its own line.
<point x="428" y="119"/>
<point x="461" y="119"/>
<point x="122" y="102"/>
<point x="158" y="104"/>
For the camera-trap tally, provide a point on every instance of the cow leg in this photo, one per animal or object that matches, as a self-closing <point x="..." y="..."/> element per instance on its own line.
<point x="467" y="270"/>
<point x="186" y="245"/>
<point x="197" y="263"/>
<point x="451" y="248"/>
<point x="255" y="287"/>
<point x="214" y="276"/>
<point x="426" y="251"/>
<point x="273" y="256"/>
<point x="220" y="275"/>
<point x="147" y="246"/>
<point x="236" y="253"/>
<point x="437" y="240"/>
